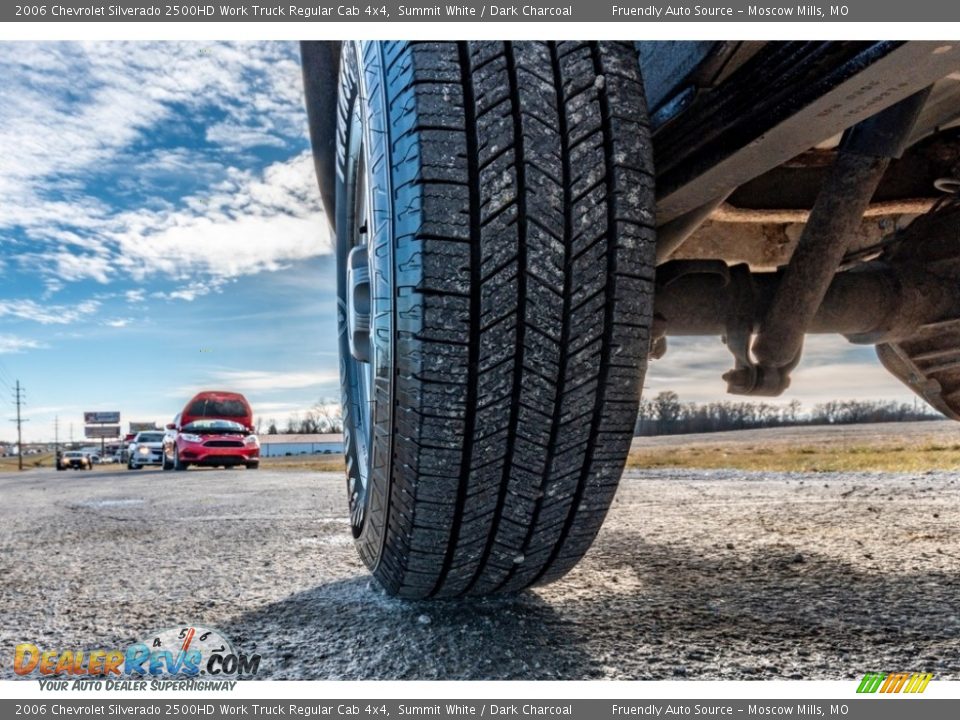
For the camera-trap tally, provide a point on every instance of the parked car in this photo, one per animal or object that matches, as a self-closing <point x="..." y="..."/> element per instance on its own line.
<point x="74" y="460"/>
<point x="214" y="429"/>
<point x="93" y="453"/>
<point x="146" y="448"/>
<point x="520" y="226"/>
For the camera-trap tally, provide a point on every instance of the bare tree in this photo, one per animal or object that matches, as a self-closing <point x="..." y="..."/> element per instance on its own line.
<point x="293" y="424"/>
<point x="668" y="408"/>
<point x="329" y="415"/>
<point x="665" y="414"/>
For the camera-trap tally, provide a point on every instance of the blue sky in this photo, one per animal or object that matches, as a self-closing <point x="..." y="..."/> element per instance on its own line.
<point x="161" y="233"/>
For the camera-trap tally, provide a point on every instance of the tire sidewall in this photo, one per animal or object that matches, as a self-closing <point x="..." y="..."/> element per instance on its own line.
<point x="361" y="89"/>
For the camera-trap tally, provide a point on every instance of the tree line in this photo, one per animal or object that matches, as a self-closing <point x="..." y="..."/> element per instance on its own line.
<point x="324" y="417"/>
<point x="665" y="414"/>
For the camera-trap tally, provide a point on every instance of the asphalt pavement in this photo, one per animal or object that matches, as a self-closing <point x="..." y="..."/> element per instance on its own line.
<point x="696" y="574"/>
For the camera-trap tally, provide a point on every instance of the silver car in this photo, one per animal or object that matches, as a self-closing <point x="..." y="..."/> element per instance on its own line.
<point x="145" y="449"/>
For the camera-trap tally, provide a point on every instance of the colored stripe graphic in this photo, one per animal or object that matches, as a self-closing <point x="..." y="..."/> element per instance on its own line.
<point x="912" y="683"/>
<point x="894" y="682"/>
<point x="923" y="679"/>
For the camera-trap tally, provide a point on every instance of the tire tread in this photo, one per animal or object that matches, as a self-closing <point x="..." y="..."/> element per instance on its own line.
<point x="523" y="197"/>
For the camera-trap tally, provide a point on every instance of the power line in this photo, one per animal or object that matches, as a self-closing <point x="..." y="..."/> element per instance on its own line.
<point x="3" y="370"/>
<point x="4" y="378"/>
<point x="18" y="399"/>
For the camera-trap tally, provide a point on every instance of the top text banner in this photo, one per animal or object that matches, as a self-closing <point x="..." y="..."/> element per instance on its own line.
<point x="561" y="11"/>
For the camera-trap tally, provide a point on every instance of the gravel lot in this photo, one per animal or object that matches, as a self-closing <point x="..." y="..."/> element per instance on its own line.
<point x="696" y="574"/>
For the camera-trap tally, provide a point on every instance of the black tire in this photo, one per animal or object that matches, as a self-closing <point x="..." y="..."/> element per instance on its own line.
<point x="178" y="464"/>
<point x="254" y="465"/>
<point x="507" y="232"/>
<point x="165" y="463"/>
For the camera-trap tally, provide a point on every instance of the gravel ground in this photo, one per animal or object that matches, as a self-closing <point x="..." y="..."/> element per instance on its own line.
<point x="696" y="574"/>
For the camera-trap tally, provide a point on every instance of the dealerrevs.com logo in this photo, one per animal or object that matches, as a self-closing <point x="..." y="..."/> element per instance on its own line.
<point x="184" y="652"/>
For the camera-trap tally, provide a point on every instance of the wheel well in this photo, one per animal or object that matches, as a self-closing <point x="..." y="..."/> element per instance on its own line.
<point x="320" y="61"/>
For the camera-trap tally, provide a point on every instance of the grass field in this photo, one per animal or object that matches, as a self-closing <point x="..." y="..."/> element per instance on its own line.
<point x="321" y="463"/>
<point x="888" y="447"/>
<point x="29" y="462"/>
<point x="887" y="458"/>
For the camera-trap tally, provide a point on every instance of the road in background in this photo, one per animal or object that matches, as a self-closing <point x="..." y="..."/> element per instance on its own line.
<point x="696" y="574"/>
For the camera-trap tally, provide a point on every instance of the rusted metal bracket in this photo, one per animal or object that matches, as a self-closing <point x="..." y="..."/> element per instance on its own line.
<point x="865" y="153"/>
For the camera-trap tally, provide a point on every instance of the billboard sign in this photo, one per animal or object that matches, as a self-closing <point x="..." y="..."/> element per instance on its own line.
<point x="91" y="418"/>
<point x="136" y="427"/>
<point x="102" y="431"/>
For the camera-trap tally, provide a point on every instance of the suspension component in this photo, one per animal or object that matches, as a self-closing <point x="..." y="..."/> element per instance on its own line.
<point x="863" y="158"/>
<point x="907" y="302"/>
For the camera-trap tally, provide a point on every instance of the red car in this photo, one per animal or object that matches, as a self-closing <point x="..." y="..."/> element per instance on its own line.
<point x="214" y="428"/>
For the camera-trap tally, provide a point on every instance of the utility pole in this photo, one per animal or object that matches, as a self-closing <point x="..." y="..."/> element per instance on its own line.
<point x="18" y="399"/>
<point x="56" y="438"/>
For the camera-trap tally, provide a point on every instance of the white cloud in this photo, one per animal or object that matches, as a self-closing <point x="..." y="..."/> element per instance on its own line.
<point x="264" y="408"/>
<point x="118" y="322"/>
<point x="257" y="380"/>
<point x="65" y="266"/>
<point x="239" y="137"/>
<point x="74" y="106"/>
<point x="25" y="309"/>
<point x="189" y="292"/>
<point x="10" y="344"/>
<point x="51" y="287"/>
<point x="250" y="223"/>
<point x="75" y="113"/>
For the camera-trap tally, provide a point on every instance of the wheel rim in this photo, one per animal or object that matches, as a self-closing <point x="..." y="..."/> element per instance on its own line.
<point x="359" y="358"/>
